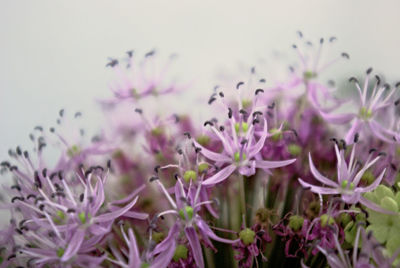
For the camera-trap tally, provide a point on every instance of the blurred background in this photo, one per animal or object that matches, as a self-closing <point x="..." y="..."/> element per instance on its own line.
<point x="53" y="53"/>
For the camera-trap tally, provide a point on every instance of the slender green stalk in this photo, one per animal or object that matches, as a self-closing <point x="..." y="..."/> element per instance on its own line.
<point x="242" y="198"/>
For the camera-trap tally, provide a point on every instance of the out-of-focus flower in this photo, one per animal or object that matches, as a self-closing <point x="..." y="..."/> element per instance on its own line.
<point x="348" y="180"/>
<point x="369" y="114"/>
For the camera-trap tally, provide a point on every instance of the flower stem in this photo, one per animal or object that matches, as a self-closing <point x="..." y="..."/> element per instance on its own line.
<point x="242" y="199"/>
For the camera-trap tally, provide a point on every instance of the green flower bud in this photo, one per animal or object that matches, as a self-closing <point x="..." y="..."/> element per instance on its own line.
<point x="244" y="128"/>
<point x="82" y="217"/>
<point x="157" y="237"/>
<point x="246" y="103"/>
<point x="145" y="265"/>
<point x="60" y="216"/>
<point x="276" y="134"/>
<point x="236" y="157"/>
<point x="157" y="131"/>
<point x="247" y="236"/>
<point x="203" y="140"/>
<point x="189" y="212"/>
<point x="345" y="185"/>
<point x="74" y="150"/>
<point x="296" y="222"/>
<point x="181" y="252"/>
<point x="294" y="149"/>
<point x="326" y="219"/>
<point x="365" y="113"/>
<point x="203" y="167"/>
<point x="60" y="252"/>
<point x="309" y="75"/>
<point x="190" y="175"/>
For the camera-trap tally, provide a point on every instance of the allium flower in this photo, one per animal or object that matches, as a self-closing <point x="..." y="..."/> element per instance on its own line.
<point x="186" y="209"/>
<point x="241" y="152"/>
<point x="62" y="219"/>
<point x="293" y="230"/>
<point x="141" y="78"/>
<point x="252" y="243"/>
<point x="370" y="254"/>
<point x="348" y="180"/>
<point x="131" y="258"/>
<point x="311" y="67"/>
<point x="369" y="114"/>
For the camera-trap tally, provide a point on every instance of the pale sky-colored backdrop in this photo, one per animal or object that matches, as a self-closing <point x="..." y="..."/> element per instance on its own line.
<point x="53" y="53"/>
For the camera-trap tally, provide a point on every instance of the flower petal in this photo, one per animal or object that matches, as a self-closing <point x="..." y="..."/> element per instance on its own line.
<point x="317" y="189"/>
<point x="273" y="164"/>
<point x="318" y="175"/>
<point x="220" y="176"/>
<point x="73" y="245"/>
<point x="117" y="213"/>
<point x="194" y="242"/>
<point x="217" y="157"/>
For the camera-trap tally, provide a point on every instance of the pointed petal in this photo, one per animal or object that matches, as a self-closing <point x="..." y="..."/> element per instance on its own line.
<point x="373" y="206"/>
<point x="217" y="157"/>
<point x="194" y="242"/>
<point x="260" y="143"/>
<point x="318" y="175"/>
<point x="117" y="213"/>
<point x="168" y="241"/>
<point x="373" y="185"/>
<point x="134" y="257"/>
<point x="337" y="118"/>
<point x="220" y="176"/>
<point x="317" y="189"/>
<point x="273" y="164"/>
<point x="74" y="245"/>
<point x="356" y="127"/>
<point x="206" y="230"/>
<point x="164" y="258"/>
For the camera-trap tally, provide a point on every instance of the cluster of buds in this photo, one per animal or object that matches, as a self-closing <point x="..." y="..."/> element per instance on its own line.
<point x="281" y="175"/>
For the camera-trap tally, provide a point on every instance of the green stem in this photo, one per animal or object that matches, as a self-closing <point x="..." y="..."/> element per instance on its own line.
<point x="242" y="198"/>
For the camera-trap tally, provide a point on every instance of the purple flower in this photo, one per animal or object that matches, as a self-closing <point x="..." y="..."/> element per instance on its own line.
<point x="370" y="254"/>
<point x="141" y="78"/>
<point x="241" y="150"/>
<point x="186" y="208"/>
<point x="369" y="114"/>
<point x="348" y="180"/>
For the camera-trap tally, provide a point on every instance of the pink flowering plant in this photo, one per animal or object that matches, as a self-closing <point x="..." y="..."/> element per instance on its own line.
<point x="286" y="173"/>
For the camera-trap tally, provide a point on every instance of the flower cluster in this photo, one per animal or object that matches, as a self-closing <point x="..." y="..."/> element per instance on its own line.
<point x="285" y="174"/>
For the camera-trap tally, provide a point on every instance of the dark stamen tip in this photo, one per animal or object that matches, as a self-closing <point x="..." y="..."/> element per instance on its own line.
<point x="156" y="168"/>
<point x="259" y="90"/>
<point x="208" y="123"/>
<point x="229" y="112"/>
<point x="154" y="178"/>
<point x="353" y="79"/>
<point x="139" y="111"/>
<point x="239" y="84"/>
<point x="369" y="70"/>
<point x="187" y="134"/>
<point x="356" y="137"/>
<point x="211" y="100"/>
<point x="345" y="55"/>
<point x="372" y="150"/>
